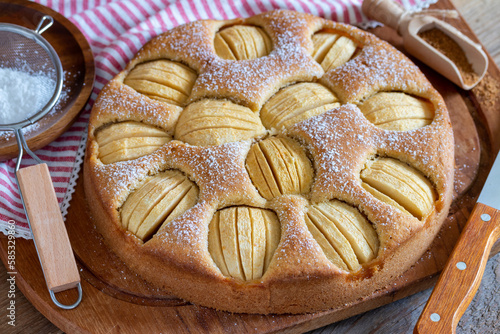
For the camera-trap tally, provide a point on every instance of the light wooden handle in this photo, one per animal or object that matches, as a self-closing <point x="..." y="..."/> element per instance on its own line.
<point x="462" y="274"/>
<point x="387" y="12"/>
<point x="51" y="239"/>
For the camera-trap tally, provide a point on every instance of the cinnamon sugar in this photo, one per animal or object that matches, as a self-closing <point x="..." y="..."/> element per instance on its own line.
<point x="488" y="90"/>
<point x="449" y="48"/>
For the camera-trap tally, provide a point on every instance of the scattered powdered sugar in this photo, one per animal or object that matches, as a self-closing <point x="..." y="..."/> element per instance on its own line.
<point x="120" y="102"/>
<point x="327" y="136"/>
<point x="424" y="148"/>
<point x="189" y="39"/>
<point x="26" y="131"/>
<point x="189" y="228"/>
<point x="123" y="176"/>
<point x="375" y="68"/>
<point x="339" y="140"/>
<point x="245" y="80"/>
<point x="252" y="81"/>
<point x="216" y="169"/>
<point x="23" y="94"/>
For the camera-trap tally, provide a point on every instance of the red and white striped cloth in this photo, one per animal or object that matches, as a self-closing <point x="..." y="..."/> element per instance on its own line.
<point x="116" y="30"/>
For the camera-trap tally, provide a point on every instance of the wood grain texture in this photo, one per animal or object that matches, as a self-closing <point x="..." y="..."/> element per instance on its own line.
<point x="398" y="317"/>
<point x="386" y="12"/>
<point x="47" y="226"/>
<point x="78" y="66"/>
<point x="462" y="274"/>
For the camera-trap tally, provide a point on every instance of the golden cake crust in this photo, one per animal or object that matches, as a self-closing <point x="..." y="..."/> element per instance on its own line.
<point x="339" y="142"/>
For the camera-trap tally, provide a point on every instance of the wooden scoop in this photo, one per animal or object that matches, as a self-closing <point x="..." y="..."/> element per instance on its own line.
<point x="409" y="26"/>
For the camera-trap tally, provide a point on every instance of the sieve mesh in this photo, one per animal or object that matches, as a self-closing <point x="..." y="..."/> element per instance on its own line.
<point x="25" y="52"/>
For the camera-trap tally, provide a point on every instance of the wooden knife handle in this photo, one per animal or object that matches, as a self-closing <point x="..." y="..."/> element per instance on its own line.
<point x="462" y="274"/>
<point x="51" y="239"/>
<point x="387" y="12"/>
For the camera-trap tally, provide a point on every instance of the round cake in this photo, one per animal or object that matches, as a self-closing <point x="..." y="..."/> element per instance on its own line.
<point x="281" y="163"/>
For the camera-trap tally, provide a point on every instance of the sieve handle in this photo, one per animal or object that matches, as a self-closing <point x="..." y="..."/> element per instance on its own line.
<point x="47" y="225"/>
<point x="45" y="23"/>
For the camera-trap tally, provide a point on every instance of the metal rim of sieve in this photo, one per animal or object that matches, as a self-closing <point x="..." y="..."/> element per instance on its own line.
<point x="35" y="35"/>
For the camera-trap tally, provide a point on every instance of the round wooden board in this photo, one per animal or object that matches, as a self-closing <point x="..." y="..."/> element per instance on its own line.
<point x="78" y="65"/>
<point x="118" y="301"/>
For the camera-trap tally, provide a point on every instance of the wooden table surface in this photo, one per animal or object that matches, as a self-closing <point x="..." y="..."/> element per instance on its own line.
<point x="482" y="316"/>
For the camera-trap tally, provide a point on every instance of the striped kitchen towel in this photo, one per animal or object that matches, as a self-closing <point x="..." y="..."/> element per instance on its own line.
<point x="116" y="30"/>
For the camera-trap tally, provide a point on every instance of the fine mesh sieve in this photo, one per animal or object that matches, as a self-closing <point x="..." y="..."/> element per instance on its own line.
<point x="25" y="50"/>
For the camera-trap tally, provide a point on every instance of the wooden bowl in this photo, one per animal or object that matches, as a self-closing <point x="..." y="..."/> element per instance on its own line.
<point x="78" y="65"/>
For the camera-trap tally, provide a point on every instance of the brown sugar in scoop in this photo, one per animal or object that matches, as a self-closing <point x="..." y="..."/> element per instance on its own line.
<point x="446" y="50"/>
<point x="449" y="48"/>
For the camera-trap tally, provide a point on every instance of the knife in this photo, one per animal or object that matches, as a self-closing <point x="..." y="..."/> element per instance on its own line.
<point x="462" y="274"/>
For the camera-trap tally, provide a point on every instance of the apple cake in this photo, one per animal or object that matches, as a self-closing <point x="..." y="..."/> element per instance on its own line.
<point x="280" y="163"/>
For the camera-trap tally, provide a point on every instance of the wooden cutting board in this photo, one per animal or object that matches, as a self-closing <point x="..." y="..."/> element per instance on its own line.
<point x="117" y="301"/>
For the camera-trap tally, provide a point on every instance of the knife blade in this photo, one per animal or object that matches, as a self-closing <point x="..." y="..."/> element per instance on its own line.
<point x="464" y="269"/>
<point x="490" y="194"/>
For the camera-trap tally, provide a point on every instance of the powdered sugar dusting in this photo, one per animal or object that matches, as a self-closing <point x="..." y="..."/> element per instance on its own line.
<point x="252" y="82"/>
<point x="186" y="229"/>
<point x="219" y="171"/>
<point x="337" y="140"/>
<point x="374" y="70"/>
<point x="429" y="156"/>
<point x="190" y="43"/>
<point x="122" y="177"/>
<point x="297" y="248"/>
<point x="340" y="141"/>
<point x="118" y="102"/>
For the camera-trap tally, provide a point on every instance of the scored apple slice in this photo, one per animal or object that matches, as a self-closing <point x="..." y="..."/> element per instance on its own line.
<point x="163" y="80"/>
<point x="258" y="243"/>
<point x="140" y="194"/>
<point x="130" y="148"/>
<point x="296" y="103"/>
<point x="332" y="50"/>
<point x="397" y="111"/>
<point x="216" y="122"/>
<point x="215" y="244"/>
<point x="128" y="129"/>
<point x="279" y="166"/>
<point x="329" y="251"/>
<point x="336" y="239"/>
<point x="228" y="230"/>
<point x="241" y="42"/>
<point x="402" y="183"/>
<point x="175" y="202"/>
<point x="384" y="198"/>
<point x="273" y="234"/>
<point x="354" y="226"/>
<point x="159" y="200"/>
<point x="242" y="241"/>
<point x="343" y="233"/>
<point x="128" y="140"/>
